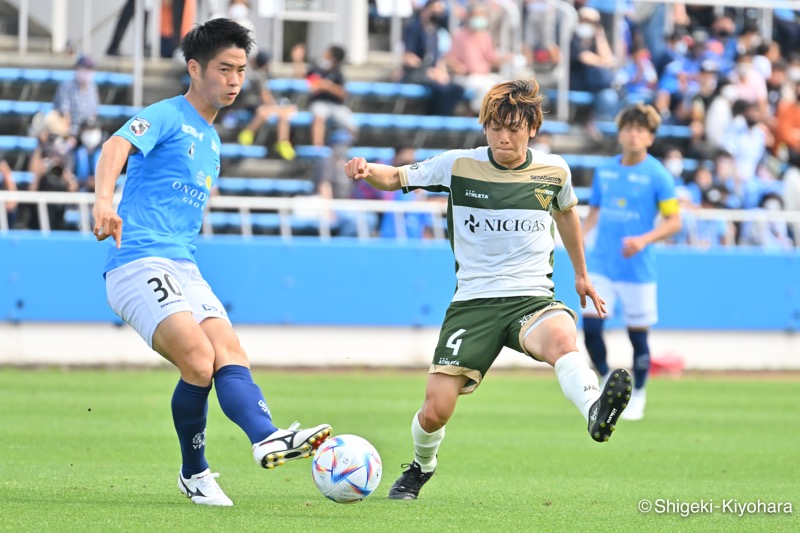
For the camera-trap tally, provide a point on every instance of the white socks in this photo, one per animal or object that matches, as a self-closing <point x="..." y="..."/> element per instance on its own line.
<point x="578" y="381"/>
<point x="426" y="444"/>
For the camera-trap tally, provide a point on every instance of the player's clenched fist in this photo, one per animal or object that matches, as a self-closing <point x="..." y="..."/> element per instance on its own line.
<point x="357" y="168"/>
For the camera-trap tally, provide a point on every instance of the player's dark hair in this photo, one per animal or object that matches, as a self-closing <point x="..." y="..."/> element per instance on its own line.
<point x="642" y="115"/>
<point x="513" y="104"/>
<point x="337" y="53"/>
<point x="206" y="40"/>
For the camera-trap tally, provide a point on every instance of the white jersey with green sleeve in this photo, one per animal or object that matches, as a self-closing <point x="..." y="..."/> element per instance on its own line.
<point x="499" y="220"/>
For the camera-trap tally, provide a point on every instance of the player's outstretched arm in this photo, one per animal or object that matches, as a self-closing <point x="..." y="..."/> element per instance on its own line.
<point x="569" y="227"/>
<point x="383" y="177"/>
<point x="112" y="158"/>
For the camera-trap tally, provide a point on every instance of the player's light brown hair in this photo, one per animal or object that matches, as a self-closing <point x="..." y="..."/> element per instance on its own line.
<point x="639" y="115"/>
<point x="513" y="104"/>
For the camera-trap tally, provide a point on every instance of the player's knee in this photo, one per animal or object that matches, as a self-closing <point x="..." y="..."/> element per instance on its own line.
<point x="435" y="414"/>
<point x="560" y="343"/>
<point x="198" y="372"/>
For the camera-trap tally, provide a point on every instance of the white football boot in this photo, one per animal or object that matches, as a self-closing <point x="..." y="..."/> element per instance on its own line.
<point x="203" y="489"/>
<point x="289" y="444"/>
<point x="635" y="409"/>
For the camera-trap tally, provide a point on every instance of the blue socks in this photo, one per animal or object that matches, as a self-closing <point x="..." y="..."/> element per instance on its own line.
<point x="595" y="345"/>
<point x="242" y="401"/>
<point x="189" y="412"/>
<point x="641" y="357"/>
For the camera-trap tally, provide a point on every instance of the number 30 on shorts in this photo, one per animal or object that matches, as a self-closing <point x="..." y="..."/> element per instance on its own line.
<point x="454" y="343"/>
<point x="158" y="287"/>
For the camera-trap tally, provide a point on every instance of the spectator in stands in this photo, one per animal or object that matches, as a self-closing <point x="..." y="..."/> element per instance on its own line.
<point x="746" y="139"/>
<point x="7" y="183"/>
<point x="539" y="32"/>
<point x="423" y="63"/>
<point x="177" y="18"/>
<point x="791" y="192"/>
<point x="332" y="182"/>
<point x="778" y="87"/>
<point x="673" y="162"/>
<point x="607" y="12"/>
<point x="719" y="114"/>
<point x="77" y="99"/>
<point x="633" y="205"/>
<point x="751" y="85"/>
<point x="592" y="63"/>
<point x="787" y="123"/>
<point x="239" y="12"/>
<point x="768" y="234"/>
<point x="726" y="174"/>
<point x="326" y="101"/>
<point x="638" y="79"/>
<point x="87" y="153"/>
<point x="259" y="101"/>
<point x="51" y="165"/>
<point x="124" y="20"/>
<point x="702" y="180"/>
<point x="473" y="57"/>
<point x="709" y="233"/>
<point x="787" y="28"/>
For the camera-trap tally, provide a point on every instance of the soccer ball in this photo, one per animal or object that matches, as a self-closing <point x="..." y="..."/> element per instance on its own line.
<point x="346" y="468"/>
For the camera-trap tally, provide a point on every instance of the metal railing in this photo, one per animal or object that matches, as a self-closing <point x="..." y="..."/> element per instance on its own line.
<point x="320" y="209"/>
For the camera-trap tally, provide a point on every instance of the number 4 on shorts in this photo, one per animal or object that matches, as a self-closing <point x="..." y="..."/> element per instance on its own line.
<point x="454" y="343"/>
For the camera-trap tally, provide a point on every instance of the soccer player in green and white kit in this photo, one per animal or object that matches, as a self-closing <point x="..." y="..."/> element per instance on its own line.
<point x="503" y="200"/>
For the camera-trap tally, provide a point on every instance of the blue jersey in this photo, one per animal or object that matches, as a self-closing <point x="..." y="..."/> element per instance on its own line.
<point x="168" y="182"/>
<point x="629" y="198"/>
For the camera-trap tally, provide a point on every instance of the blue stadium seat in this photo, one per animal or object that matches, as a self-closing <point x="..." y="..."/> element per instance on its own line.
<point x="23" y="178"/>
<point x="10" y="74"/>
<point x="669" y="131"/>
<point x="239" y="151"/>
<point x="371" y="153"/>
<point x="312" y="152"/>
<point x="234" y="186"/>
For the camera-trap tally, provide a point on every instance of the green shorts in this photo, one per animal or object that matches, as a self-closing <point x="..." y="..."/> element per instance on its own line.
<point x="474" y="332"/>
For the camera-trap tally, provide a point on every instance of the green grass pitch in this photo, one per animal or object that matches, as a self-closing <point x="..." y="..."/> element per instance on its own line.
<point x="95" y="451"/>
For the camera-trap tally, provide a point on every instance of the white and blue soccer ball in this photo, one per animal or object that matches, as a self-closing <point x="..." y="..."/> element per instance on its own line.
<point x="346" y="468"/>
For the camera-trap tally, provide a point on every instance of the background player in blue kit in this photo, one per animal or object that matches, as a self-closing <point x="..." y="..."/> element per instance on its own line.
<point x="152" y="280"/>
<point x="629" y="191"/>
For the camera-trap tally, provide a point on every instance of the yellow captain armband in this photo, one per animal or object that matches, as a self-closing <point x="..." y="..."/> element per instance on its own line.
<point x="669" y="207"/>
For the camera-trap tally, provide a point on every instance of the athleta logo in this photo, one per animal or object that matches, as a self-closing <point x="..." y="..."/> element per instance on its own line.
<point x="504" y="225"/>
<point x="474" y="194"/>
<point x="199" y="440"/>
<point x="587" y="388"/>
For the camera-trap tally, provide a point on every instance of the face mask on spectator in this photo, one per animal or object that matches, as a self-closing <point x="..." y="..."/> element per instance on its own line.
<point x="681" y="48"/>
<point x="91" y="138"/>
<point x="324" y="63"/>
<point x="478" y="23"/>
<point x="743" y="68"/>
<point x="83" y="76"/>
<point x="794" y="74"/>
<point x="674" y="166"/>
<point x="773" y="204"/>
<point x="239" y="11"/>
<point x="439" y="20"/>
<point x="584" y="30"/>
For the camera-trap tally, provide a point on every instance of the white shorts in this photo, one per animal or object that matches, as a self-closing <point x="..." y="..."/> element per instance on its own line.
<point x="339" y="113"/>
<point x="146" y="291"/>
<point x="638" y="300"/>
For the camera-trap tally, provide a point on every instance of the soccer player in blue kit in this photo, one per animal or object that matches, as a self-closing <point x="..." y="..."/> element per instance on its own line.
<point x="629" y="191"/>
<point x="152" y="280"/>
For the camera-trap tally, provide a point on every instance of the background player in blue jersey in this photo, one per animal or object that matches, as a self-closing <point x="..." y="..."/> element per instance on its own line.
<point x="152" y="280"/>
<point x="629" y="191"/>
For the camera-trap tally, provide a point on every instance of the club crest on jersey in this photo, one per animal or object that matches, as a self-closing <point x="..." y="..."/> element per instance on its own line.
<point x="139" y="126"/>
<point x="545" y="196"/>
